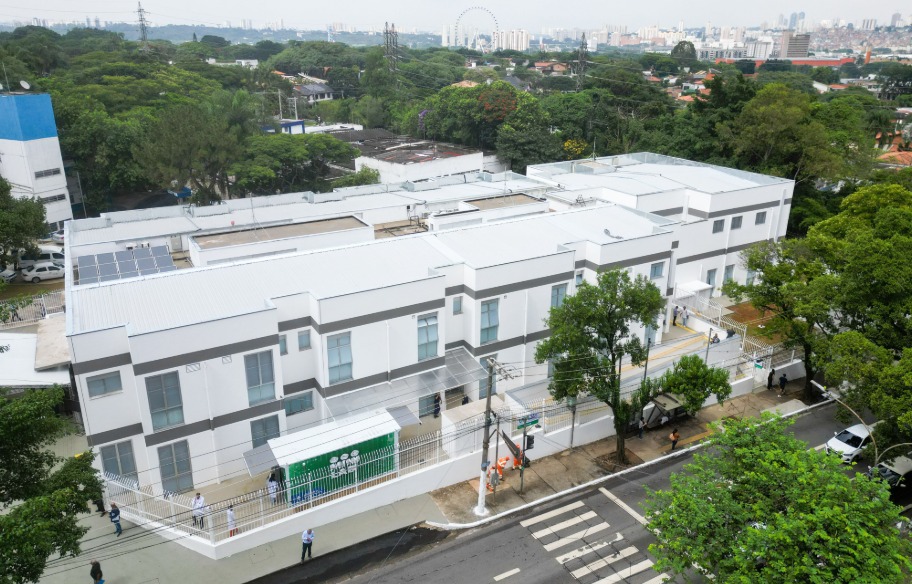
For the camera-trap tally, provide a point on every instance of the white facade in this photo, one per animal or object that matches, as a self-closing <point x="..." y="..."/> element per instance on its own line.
<point x="30" y="157"/>
<point x="413" y="164"/>
<point x="205" y="360"/>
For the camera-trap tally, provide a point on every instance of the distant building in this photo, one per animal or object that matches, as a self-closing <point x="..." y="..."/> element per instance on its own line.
<point x="794" y="46"/>
<point x="512" y="40"/>
<point x="30" y="157"/>
<point x="314" y="92"/>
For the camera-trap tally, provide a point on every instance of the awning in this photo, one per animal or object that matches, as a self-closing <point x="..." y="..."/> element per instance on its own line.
<point x="460" y="368"/>
<point x="667" y="402"/>
<point x="260" y="460"/>
<point x="403" y="416"/>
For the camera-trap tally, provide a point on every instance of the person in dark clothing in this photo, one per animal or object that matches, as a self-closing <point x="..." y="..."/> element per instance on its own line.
<point x="95" y="573"/>
<point x="437" y="405"/>
<point x="769" y="380"/>
<point x="99" y="506"/>
<point x="115" y="519"/>
<point x="782" y="381"/>
<point x="674" y="437"/>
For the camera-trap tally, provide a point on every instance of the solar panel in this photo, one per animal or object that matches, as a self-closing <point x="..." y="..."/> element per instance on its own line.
<point x="85" y="261"/>
<point x="123" y="256"/>
<point x="162" y="262"/>
<point x="129" y="266"/>
<point x="88" y="272"/>
<point x="146" y="263"/>
<point x="107" y="270"/>
<point x="105" y="258"/>
<point x="147" y="272"/>
<point x="128" y="275"/>
<point x="170" y="268"/>
<point x="89" y="280"/>
<point x="142" y="252"/>
<point x="108" y="278"/>
<point x="160" y="251"/>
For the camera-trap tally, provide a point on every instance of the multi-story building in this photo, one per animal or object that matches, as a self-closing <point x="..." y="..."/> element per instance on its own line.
<point x="511" y="40"/>
<point x="301" y="309"/>
<point x="794" y="46"/>
<point x="30" y="157"/>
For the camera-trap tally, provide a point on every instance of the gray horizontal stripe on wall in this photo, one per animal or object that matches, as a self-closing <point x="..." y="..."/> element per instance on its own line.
<point x="698" y="213"/>
<point x="460" y="343"/>
<point x="370" y="380"/>
<point x="338" y="388"/>
<point x="672" y="211"/>
<point x="114" y="435"/>
<point x="339" y="325"/>
<point x="516" y="286"/>
<point x="178" y="432"/>
<point x="205" y="355"/>
<point x="744" y="209"/>
<point x="296" y="323"/>
<point x="787" y="201"/>
<point x="498" y="346"/>
<point x="580" y="264"/>
<point x="419" y="367"/>
<point x="99" y="364"/>
<point x="636" y="261"/>
<point x="247" y="414"/>
<point x="674" y="244"/>
<point x="669" y="291"/>
<point x="718" y="252"/>
<point x="299" y="386"/>
<point x="454" y="290"/>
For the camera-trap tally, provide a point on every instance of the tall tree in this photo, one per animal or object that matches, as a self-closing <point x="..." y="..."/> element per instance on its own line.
<point x="591" y="333"/>
<point x="22" y="221"/>
<point x="762" y="507"/>
<point x="691" y="378"/>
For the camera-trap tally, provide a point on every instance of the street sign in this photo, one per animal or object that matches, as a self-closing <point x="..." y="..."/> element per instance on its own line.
<point x="528" y="423"/>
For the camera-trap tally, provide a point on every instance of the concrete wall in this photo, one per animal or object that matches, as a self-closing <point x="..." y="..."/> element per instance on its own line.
<point x="394" y="172"/>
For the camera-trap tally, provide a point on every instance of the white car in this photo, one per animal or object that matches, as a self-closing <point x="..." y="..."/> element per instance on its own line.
<point x="43" y="271"/>
<point x="57" y="236"/>
<point x="8" y="275"/>
<point x="895" y="472"/>
<point x="849" y="443"/>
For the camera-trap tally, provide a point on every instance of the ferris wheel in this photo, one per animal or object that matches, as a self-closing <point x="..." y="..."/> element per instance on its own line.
<point x="467" y="30"/>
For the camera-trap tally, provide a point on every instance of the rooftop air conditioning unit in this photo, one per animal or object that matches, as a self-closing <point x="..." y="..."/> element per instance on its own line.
<point x="145" y="244"/>
<point x="130" y="246"/>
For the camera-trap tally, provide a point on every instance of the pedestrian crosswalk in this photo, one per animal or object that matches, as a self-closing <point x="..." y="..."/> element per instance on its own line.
<point x="585" y="547"/>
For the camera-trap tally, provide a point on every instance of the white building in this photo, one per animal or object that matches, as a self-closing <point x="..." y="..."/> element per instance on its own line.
<point x="421" y="160"/>
<point x="30" y="153"/>
<point x="299" y="310"/>
<point x="511" y="40"/>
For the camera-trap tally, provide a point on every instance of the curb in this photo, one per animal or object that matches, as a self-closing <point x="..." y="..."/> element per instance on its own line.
<point x="595" y="482"/>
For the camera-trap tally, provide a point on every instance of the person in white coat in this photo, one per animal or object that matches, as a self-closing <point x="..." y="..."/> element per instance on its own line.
<point x="272" y="487"/>
<point x="199" y="510"/>
<point x="230" y="520"/>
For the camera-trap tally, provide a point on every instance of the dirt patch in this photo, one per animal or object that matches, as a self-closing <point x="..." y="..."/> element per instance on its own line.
<point x="610" y="463"/>
<point x="755" y="320"/>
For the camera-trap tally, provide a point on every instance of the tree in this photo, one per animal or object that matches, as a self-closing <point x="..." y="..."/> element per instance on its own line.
<point x="794" y="286"/>
<point x="22" y="221"/>
<point x="41" y="503"/>
<point x="691" y="378"/>
<point x="365" y="176"/>
<point x="525" y="137"/>
<point x="761" y="507"/>
<point x="591" y="332"/>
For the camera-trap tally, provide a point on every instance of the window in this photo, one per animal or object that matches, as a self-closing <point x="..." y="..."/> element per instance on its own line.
<point x="579" y="278"/>
<point x="303" y="340"/>
<point x="729" y="273"/>
<point x="489" y="321"/>
<point x="118" y="459"/>
<point x="760" y="219"/>
<point x="264" y="429"/>
<point x="751" y="276"/>
<point x="558" y="293"/>
<point x="340" y="358"/>
<point x="427" y="336"/>
<point x="426" y="405"/>
<point x="711" y="277"/>
<point x="657" y="270"/>
<point x="46" y="173"/>
<point x="457" y="305"/>
<point x="718" y="225"/>
<point x="299" y="403"/>
<point x="736" y="222"/>
<point x="104" y="384"/>
<point x="283" y="345"/>
<point x="174" y="463"/>
<point x="483" y="383"/>
<point x="260" y="378"/>
<point x="165" y="402"/>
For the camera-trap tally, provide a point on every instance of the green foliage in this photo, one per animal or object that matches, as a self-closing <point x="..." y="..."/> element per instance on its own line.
<point x="691" y="378"/>
<point x="525" y="138"/>
<point x="761" y="507"/>
<point x="22" y="221"/>
<point x="591" y="334"/>
<point x="365" y="176"/>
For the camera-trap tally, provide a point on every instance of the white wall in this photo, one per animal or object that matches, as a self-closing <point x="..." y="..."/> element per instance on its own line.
<point x="394" y="172"/>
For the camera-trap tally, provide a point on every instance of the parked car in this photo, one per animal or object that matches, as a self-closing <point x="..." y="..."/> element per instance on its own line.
<point x="8" y="275"/>
<point x="49" y="253"/>
<point x="850" y="442"/>
<point x="57" y="236"/>
<point x="896" y="472"/>
<point x="43" y="271"/>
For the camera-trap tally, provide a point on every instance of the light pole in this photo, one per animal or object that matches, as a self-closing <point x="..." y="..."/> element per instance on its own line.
<point x="480" y="510"/>
<point x="571" y="404"/>
<point x="854" y="413"/>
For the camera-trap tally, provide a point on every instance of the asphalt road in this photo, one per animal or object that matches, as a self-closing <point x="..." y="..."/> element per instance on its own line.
<point x="595" y="537"/>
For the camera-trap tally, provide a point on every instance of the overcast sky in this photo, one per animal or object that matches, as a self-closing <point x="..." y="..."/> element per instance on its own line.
<point x="533" y="15"/>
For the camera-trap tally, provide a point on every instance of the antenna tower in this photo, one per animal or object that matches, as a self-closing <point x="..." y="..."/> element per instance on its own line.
<point x="143" y="30"/>
<point x="581" y="58"/>
<point x="391" y="46"/>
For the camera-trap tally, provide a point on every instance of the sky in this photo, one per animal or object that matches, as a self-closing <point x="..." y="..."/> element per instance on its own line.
<point x="533" y="15"/>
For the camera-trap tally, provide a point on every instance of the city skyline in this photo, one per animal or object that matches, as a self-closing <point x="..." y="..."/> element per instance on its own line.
<point x="411" y="14"/>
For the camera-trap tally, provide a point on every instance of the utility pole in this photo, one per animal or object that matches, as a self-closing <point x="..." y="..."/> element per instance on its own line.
<point x="391" y="46"/>
<point x="493" y="367"/>
<point x="143" y="32"/>
<point x="709" y="341"/>
<point x="581" y="57"/>
<point x="522" y="454"/>
<point x="646" y="364"/>
<point x="496" y="459"/>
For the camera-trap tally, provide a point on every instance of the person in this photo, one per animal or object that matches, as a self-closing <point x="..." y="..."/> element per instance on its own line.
<point x="663" y="420"/>
<point x="14" y="314"/>
<point x="273" y="488"/>
<point x="307" y="539"/>
<point x="99" y="507"/>
<point x="437" y="405"/>
<point x="674" y="437"/>
<point x="115" y="518"/>
<point x="199" y="507"/>
<point x="229" y="518"/>
<point x="715" y="338"/>
<point x="465" y="399"/>
<point x="769" y="379"/>
<point x="642" y="426"/>
<point x="95" y="573"/>
<point x="782" y="381"/>
<point x="674" y="316"/>
<point x="684" y="316"/>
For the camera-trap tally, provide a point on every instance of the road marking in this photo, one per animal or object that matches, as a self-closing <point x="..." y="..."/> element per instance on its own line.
<point x="550" y="514"/>
<point x="586" y="549"/>
<point x="564" y="524"/>
<point x="623" y="506"/>
<point x="506" y="574"/>
<point x="658" y="579"/>
<point x="601" y="563"/>
<point x="576" y="536"/>
<point x="821" y="447"/>
<point x="626" y="573"/>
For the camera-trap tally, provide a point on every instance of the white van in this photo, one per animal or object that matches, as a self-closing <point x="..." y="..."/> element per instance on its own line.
<point x="46" y="253"/>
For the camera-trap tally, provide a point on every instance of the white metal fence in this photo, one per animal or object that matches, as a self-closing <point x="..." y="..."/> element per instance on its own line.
<point x="41" y="306"/>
